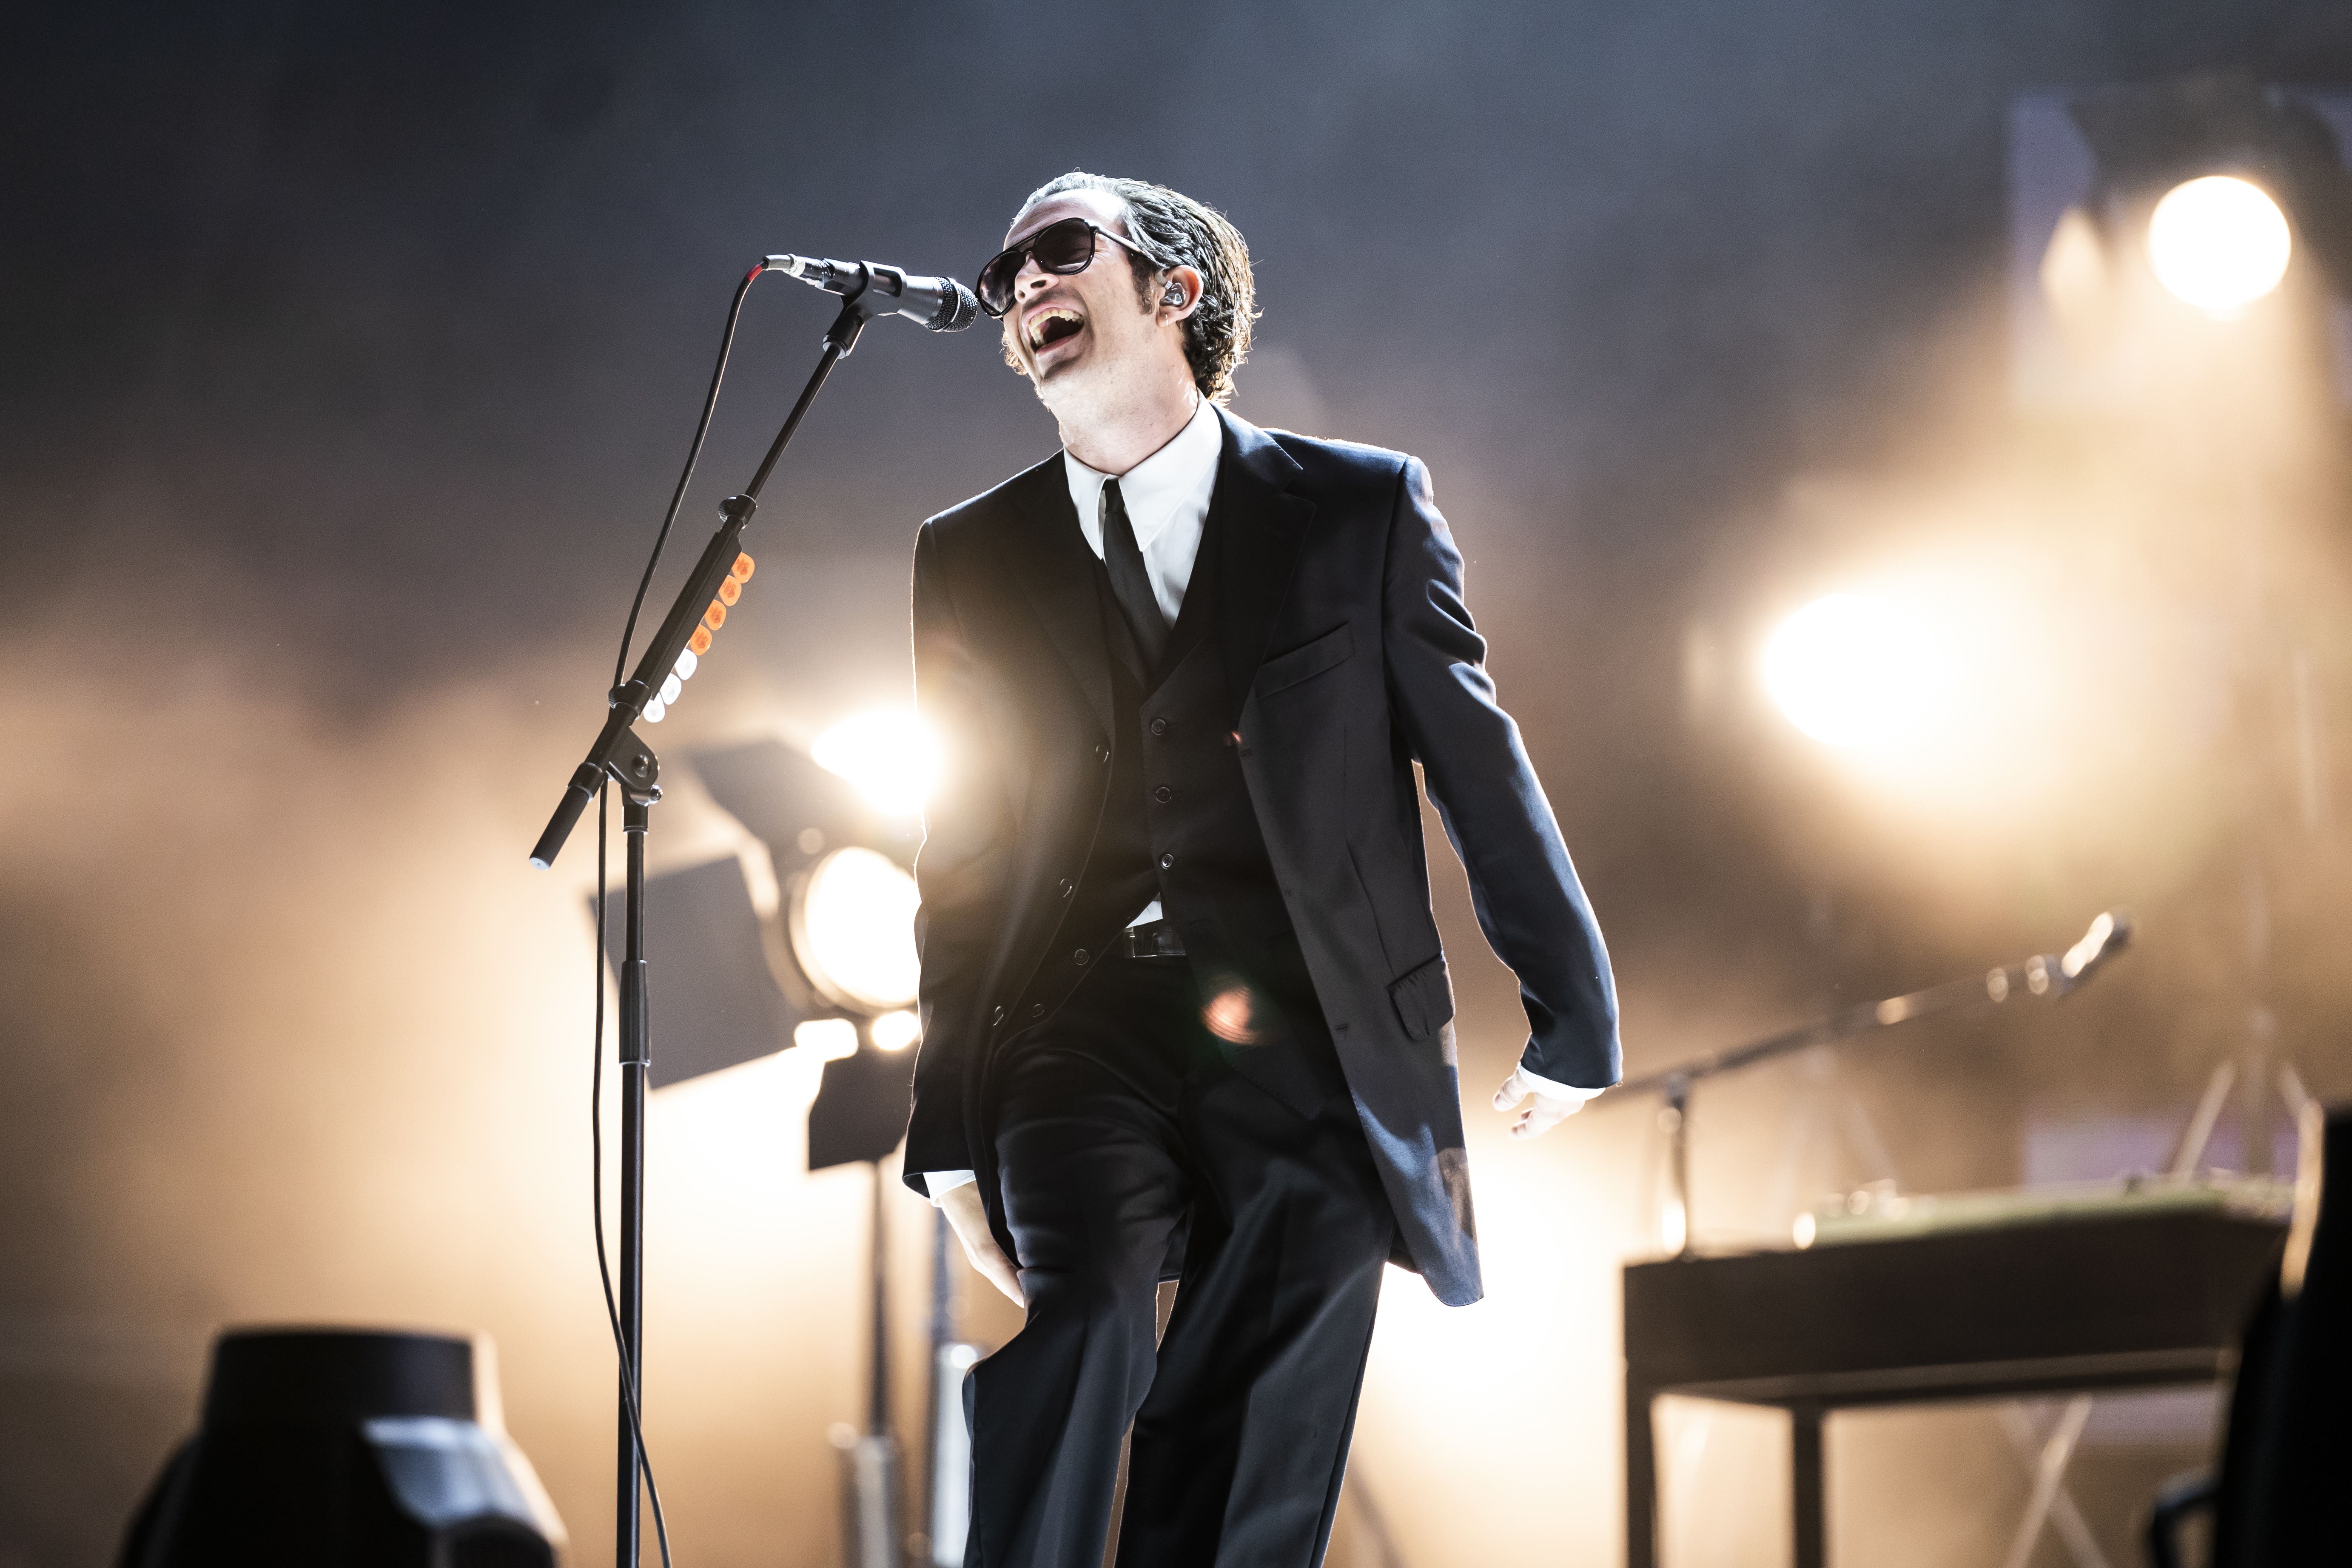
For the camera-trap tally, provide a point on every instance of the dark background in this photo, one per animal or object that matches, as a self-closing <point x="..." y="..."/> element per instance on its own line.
<point x="349" y="356"/>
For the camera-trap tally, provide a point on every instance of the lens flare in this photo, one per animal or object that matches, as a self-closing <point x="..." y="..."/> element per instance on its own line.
<point x="2219" y="244"/>
<point x="1853" y="671"/>
<point x="1230" y="1015"/>
<point x="830" y="1039"/>
<point x="895" y="1031"/>
<point x="853" y="930"/>
<point x="890" y="757"/>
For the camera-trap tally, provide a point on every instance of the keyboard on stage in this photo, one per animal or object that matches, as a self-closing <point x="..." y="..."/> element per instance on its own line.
<point x="1892" y="1299"/>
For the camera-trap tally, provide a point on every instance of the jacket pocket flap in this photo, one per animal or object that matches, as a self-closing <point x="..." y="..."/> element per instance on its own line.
<point x="1424" y="999"/>
<point x="1302" y="663"/>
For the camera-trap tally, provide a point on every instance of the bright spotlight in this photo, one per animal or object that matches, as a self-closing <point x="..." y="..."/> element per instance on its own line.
<point x="889" y="756"/>
<point x="895" y="1031"/>
<point x="1849" y="670"/>
<point x="853" y="930"/>
<point x="2219" y="244"/>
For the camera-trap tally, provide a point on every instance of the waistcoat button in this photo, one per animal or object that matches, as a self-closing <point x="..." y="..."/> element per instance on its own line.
<point x="1166" y="861"/>
<point x="1160" y="726"/>
<point x="1069" y="887"/>
<point x="1079" y="957"/>
<point x="1037" y="1010"/>
<point x="1163" y="794"/>
<point x="997" y="1016"/>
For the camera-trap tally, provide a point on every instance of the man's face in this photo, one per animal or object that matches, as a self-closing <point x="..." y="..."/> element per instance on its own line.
<point x="1090" y="327"/>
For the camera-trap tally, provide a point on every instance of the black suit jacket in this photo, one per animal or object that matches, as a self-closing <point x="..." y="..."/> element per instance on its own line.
<point x="1348" y="654"/>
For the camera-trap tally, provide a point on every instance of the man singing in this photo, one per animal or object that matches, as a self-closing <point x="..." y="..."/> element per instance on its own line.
<point x="1184" y="1010"/>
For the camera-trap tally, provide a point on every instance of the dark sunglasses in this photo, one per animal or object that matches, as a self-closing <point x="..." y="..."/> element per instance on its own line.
<point x="1064" y="249"/>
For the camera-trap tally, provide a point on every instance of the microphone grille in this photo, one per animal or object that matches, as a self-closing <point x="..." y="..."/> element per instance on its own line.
<point x="957" y="311"/>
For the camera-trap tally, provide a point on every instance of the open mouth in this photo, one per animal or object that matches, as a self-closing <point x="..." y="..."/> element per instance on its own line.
<point x="1050" y="325"/>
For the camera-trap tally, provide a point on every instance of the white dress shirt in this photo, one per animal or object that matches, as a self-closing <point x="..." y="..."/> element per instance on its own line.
<point x="1167" y="498"/>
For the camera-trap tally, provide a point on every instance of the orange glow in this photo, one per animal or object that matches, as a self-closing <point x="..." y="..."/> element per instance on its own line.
<point x="730" y="590"/>
<point x="714" y="617"/>
<point x="742" y="570"/>
<point x="699" y="642"/>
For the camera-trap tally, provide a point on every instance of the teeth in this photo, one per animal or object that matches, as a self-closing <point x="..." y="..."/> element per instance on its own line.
<point x="1051" y="312"/>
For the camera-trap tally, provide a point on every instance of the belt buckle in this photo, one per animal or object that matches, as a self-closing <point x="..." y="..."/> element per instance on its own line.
<point x="1160" y="939"/>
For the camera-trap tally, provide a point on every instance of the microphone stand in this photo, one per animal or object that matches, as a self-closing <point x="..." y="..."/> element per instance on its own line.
<point x="622" y="755"/>
<point x="2043" y="974"/>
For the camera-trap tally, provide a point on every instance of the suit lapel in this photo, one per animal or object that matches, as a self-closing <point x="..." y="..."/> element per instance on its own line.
<point x="1259" y="530"/>
<point x="1050" y="560"/>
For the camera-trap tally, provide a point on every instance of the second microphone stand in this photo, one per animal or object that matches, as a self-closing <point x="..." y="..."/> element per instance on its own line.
<point x="2043" y="974"/>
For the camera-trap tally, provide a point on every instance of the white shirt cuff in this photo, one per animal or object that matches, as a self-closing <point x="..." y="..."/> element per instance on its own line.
<point x="1550" y="1090"/>
<point x="937" y="1183"/>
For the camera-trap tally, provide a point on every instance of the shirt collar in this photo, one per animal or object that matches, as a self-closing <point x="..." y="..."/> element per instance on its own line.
<point x="1158" y="489"/>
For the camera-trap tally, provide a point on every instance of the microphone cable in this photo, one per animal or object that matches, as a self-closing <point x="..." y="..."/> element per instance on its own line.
<point x="629" y="1387"/>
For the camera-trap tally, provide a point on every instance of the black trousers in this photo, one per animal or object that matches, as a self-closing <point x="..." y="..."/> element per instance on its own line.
<point x="1119" y="1120"/>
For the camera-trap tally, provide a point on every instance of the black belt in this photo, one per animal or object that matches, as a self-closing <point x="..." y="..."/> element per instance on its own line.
<point x="1153" y="939"/>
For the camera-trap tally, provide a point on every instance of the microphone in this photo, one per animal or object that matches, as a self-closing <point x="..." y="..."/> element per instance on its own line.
<point x="941" y="304"/>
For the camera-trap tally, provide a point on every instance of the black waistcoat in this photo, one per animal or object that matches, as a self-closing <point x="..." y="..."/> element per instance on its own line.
<point x="1178" y="826"/>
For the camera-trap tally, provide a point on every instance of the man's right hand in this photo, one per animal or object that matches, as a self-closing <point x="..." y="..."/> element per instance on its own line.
<point x="966" y="1212"/>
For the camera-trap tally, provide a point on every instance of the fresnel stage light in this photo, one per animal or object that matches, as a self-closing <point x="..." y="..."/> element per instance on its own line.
<point x="852" y="931"/>
<point x="2216" y="182"/>
<point x="836" y="949"/>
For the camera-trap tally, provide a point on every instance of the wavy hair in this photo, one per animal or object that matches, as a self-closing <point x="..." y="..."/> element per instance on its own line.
<point x="1170" y="230"/>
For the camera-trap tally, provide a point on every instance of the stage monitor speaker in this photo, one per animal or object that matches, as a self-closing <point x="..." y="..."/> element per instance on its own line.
<point x="358" y="1449"/>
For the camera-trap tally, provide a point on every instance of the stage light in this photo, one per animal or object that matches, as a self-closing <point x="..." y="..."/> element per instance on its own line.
<point x="720" y="1002"/>
<point x="828" y="1040"/>
<point x="2219" y="243"/>
<point x="895" y="1031"/>
<point x="1850" y="670"/>
<point x="889" y="756"/>
<point x="853" y="930"/>
<point x="347" y="1446"/>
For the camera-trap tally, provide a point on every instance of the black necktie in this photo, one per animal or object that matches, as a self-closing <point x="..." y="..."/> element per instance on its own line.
<point x="1130" y="584"/>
